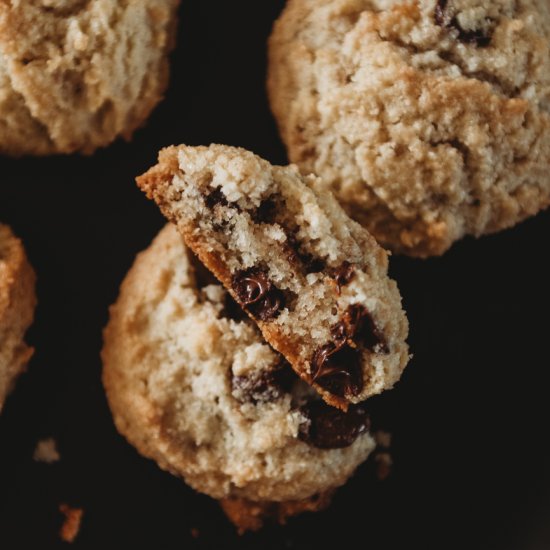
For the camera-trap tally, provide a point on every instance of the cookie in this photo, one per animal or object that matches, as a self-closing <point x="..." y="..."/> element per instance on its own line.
<point x="193" y="385"/>
<point x="75" y="75"/>
<point x="17" y="303"/>
<point x="314" y="281"/>
<point x="430" y="119"/>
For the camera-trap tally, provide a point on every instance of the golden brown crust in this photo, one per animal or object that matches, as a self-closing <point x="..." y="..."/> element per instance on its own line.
<point x="17" y="303"/>
<point x="251" y="516"/>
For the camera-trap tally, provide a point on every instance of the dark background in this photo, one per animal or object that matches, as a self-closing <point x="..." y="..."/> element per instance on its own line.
<point x="469" y="418"/>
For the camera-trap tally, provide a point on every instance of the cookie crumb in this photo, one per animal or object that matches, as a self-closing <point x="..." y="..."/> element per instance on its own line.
<point x="382" y="456"/>
<point x="71" y="526"/>
<point x="195" y="533"/>
<point x="383" y="439"/>
<point x="384" y="464"/>
<point x="46" y="451"/>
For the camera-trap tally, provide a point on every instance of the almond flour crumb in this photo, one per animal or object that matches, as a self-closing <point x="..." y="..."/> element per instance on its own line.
<point x="383" y="439"/>
<point x="384" y="463"/>
<point x="382" y="456"/>
<point x="71" y="526"/>
<point x="46" y="451"/>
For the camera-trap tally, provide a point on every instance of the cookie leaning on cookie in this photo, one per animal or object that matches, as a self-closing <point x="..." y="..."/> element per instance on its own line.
<point x="17" y="303"/>
<point x="430" y="119"/>
<point x="314" y="281"/>
<point x="76" y="75"/>
<point x="192" y="384"/>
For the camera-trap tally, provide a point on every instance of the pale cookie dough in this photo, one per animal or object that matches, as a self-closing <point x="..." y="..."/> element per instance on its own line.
<point x="314" y="281"/>
<point x="77" y="74"/>
<point x="430" y="119"/>
<point x="17" y="303"/>
<point x="192" y="384"/>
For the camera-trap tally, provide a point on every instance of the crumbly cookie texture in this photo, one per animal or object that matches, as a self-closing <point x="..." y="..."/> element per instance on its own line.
<point x="77" y="74"/>
<point x="314" y="281"/>
<point x="192" y="384"/>
<point x="17" y="303"/>
<point x="430" y="119"/>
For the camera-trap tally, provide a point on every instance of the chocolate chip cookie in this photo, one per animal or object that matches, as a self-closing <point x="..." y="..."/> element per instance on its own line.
<point x="430" y="119"/>
<point x="314" y="281"/>
<point x="17" y="303"/>
<point x="193" y="385"/>
<point x="75" y="75"/>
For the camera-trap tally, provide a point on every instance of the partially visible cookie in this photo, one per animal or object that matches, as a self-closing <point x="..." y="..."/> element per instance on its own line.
<point x="430" y="119"/>
<point x="315" y="282"/>
<point x="75" y="75"/>
<point x="193" y="385"/>
<point x="17" y="303"/>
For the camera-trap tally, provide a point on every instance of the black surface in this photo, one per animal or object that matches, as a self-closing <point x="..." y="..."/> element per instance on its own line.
<point x="469" y="419"/>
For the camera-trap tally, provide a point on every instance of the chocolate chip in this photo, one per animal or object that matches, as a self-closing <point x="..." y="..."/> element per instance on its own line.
<point x="296" y="256"/>
<point x="337" y="369"/>
<point x="215" y="197"/>
<point x="362" y="329"/>
<point x="343" y="275"/>
<point x="330" y="428"/>
<point x="266" y="386"/>
<point x="258" y="294"/>
<point x="444" y="18"/>
<point x="336" y="366"/>
<point x="265" y="213"/>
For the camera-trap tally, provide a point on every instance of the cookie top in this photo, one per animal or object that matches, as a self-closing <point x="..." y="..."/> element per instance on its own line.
<point x="75" y="75"/>
<point x="314" y="281"/>
<point x="430" y="119"/>
<point x="17" y="303"/>
<point x="193" y="385"/>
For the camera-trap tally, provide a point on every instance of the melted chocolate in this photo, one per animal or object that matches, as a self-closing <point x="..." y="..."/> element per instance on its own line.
<point x="336" y="366"/>
<point x="258" y="294"/>
<point x="343" y="275"/>
<point x="337" y="369"/>
<point x="362" y="329"/>
<point x="445" y="19"/>
<point x="330" y="428"/>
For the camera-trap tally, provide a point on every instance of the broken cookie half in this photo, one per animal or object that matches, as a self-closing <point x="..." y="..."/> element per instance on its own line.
<point x="313" y="280"/>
